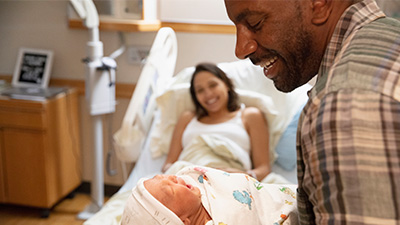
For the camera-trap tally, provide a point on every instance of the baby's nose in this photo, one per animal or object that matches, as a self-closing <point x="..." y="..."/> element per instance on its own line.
<point x="173" y="178"/>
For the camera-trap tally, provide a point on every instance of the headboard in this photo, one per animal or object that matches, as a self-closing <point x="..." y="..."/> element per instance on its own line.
<point x="159" y="68"/>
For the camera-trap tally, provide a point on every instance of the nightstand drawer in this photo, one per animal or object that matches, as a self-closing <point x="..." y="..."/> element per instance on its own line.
<point x="27" y="119"/>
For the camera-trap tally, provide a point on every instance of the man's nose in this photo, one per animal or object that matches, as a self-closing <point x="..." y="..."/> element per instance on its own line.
<point x="245" y="44"/>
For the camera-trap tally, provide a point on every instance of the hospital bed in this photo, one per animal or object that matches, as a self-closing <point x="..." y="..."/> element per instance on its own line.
<point x="160" y="97"/>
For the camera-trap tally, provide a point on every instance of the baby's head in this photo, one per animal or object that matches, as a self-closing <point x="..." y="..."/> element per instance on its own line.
<point x="163" y="199"/>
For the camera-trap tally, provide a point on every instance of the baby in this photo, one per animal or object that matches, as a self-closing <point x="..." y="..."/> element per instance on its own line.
<point x="206" y="196"/>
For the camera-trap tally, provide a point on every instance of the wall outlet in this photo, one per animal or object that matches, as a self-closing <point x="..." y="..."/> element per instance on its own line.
<point x="138" y="54"/>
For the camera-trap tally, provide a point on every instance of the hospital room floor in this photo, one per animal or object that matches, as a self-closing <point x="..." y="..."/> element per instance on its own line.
<point x="63" y="213"/>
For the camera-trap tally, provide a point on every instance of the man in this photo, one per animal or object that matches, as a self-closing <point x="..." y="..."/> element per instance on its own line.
<point x="348" y="141"/>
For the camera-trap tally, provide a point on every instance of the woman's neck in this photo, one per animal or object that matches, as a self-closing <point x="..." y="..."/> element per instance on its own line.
<point x="218" y="117"/>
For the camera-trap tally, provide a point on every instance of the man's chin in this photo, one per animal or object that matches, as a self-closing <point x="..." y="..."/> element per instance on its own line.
<point x="283" y="87"/>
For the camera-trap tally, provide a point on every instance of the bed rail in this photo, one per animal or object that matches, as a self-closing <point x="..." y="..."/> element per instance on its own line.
<point x="159" y="68"/>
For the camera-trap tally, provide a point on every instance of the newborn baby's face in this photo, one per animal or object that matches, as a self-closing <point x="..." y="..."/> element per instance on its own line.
<point x="173" y="192"/>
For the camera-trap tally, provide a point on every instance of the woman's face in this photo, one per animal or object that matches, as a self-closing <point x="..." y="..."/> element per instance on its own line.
<point x="173" y="192"/>
<point x="211" y="92"/>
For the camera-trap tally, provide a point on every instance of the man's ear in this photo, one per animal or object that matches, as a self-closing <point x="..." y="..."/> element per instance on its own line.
<point x="186" y="221"/>
<point x="322" y="9"/>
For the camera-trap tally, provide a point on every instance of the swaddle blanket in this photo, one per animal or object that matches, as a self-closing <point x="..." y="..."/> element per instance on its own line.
<point x="212" y="150"/>
<point x="236" y="198"/>
<point x="229" y="198"/>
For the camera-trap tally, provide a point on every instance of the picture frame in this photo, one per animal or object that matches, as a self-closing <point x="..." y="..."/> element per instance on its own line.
<point x="32" y="68"/>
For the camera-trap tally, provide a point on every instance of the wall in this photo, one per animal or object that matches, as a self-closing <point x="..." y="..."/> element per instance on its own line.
<point x="196" y="11"/>
<point x="390" y="7"/>
<point x="43" y="24"/>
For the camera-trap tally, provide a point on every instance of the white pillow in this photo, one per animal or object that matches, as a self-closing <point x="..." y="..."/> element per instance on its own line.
<point x="246" y="76"/>
<point x="177" y="100"/>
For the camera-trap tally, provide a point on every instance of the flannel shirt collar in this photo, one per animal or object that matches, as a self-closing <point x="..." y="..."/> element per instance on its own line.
<point x="355" y="17"/>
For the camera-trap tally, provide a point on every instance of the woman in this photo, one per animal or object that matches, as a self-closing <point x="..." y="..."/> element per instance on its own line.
<point x="218" y="111"/>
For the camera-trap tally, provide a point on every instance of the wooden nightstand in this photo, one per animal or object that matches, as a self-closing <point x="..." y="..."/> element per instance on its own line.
<point x="40" y="159"/>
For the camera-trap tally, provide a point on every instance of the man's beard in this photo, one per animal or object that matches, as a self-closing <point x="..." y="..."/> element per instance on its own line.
<point x="301" y="64"/>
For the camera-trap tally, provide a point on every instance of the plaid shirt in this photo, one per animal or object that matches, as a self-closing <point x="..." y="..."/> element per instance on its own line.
<point x="348" y="141"/>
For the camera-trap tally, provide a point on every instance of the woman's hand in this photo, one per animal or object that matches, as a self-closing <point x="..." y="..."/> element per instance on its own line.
<point x="166" y="167"/>
<point x="231" y="170"/>
<point x="258" y="131"/>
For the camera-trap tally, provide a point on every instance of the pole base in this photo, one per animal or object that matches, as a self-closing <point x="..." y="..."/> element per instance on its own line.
<point x="88" y="212"/>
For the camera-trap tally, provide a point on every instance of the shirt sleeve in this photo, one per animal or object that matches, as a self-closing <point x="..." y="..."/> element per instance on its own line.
<point x="304" y="207"/>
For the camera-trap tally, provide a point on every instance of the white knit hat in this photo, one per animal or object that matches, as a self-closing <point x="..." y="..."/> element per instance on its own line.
<point x="143" y="209"/>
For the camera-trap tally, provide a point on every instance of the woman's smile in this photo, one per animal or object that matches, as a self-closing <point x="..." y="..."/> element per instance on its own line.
<point x="211" y="101"/>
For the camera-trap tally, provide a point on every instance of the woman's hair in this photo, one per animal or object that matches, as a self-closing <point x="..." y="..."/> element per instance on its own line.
<point x="233" y="103"/>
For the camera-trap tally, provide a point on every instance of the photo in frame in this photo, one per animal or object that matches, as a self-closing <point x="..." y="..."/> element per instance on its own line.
<point x="32" y="68"/>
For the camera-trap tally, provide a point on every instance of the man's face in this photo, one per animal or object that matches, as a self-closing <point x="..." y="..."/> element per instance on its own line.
<point x="274" y="35"/>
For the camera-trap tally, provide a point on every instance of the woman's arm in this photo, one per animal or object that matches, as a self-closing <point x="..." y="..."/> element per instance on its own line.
<point x="175" y="147"/>
<point x="257" y="127"/>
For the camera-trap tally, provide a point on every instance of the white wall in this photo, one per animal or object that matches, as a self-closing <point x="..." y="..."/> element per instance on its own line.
<point x="44" y="24"/>
<point x="194" y="11"/>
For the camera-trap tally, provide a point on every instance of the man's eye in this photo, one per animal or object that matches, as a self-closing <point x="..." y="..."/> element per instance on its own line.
<point x="257" y="25"/>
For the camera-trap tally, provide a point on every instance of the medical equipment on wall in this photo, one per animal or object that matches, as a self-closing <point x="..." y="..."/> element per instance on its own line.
<point x="100" y="96"/>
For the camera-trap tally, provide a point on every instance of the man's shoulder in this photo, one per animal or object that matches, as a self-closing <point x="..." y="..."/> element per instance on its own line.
<point x="384" y="29"/>
<point x="372" y="54"/>
<point x="386" y="23"/>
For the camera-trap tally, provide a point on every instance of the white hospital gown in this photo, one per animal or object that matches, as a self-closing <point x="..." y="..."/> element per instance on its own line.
<point x="236" y="198"/>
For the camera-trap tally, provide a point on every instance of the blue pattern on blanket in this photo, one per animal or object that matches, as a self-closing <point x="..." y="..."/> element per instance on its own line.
<point x="243" y="198"/>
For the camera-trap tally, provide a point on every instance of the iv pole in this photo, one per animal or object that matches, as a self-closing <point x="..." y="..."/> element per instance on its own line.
<point x="100" y="97"/>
